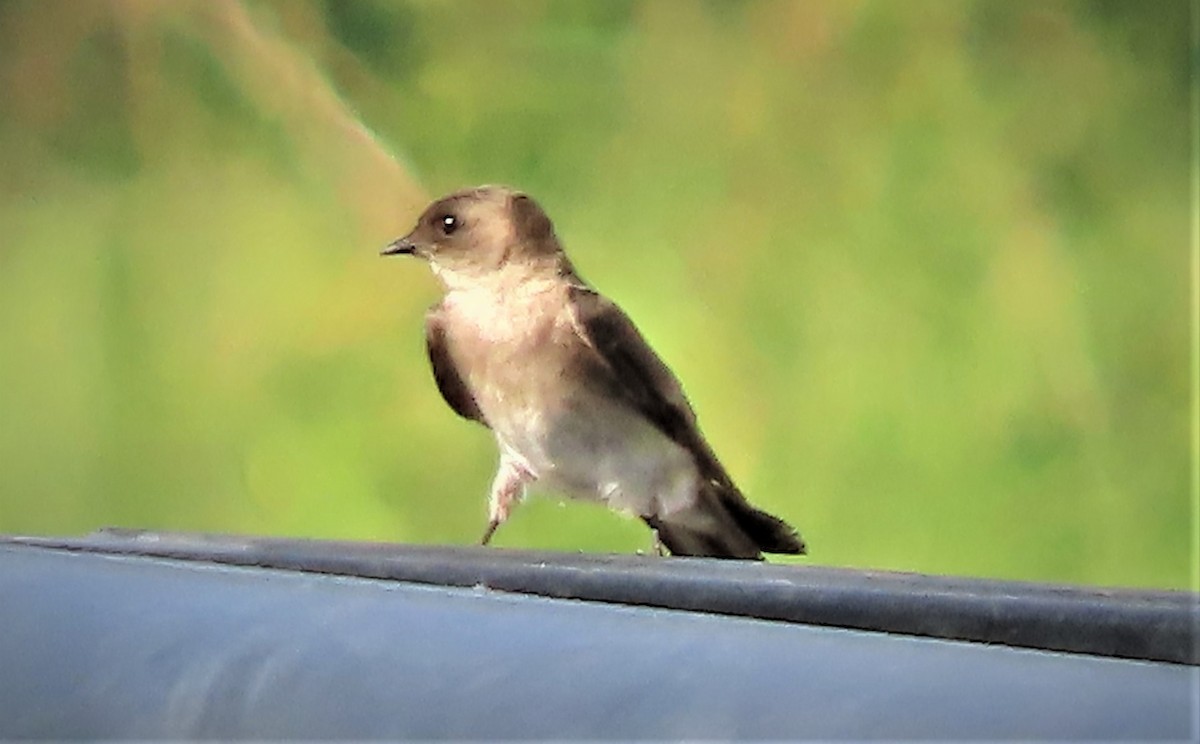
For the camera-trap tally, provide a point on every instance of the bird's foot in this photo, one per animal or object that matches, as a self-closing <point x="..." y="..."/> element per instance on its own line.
<point x="507" y="489"/>
<point x="491" y="530"/>
<point x="659" y="549"/>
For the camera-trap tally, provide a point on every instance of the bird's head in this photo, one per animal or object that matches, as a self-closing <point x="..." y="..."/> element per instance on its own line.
<point x="478" y="232"/>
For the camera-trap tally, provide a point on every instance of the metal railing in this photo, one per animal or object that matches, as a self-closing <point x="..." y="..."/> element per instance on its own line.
<point x="126" y="634"/>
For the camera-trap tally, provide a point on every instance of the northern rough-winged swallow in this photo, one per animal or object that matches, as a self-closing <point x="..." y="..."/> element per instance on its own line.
<point x="572" y="392"/>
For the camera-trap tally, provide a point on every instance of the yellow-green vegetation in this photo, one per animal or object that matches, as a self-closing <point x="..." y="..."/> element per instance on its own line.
<point x="922" y="266"/>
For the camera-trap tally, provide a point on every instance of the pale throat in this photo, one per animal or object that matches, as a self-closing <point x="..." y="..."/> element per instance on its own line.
<point x="504" y="303"/>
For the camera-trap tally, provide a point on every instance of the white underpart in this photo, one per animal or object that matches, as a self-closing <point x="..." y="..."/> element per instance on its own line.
<point x="553" y="428"/>
<point x="600" y="451"/>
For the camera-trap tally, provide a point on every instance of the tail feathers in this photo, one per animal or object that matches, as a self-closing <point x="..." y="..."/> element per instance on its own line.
<point x="682" y="540"/>
<point x="722" y="524"/>
<point x="772" y="534"/>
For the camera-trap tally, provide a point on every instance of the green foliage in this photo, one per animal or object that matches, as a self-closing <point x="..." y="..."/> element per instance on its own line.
<point x="921" y="266"/>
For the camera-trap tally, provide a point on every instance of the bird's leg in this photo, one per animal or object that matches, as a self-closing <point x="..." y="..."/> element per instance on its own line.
<point x="657" y="544"/>
<point x="507" y="489"/>
<point x="659" y="549"/>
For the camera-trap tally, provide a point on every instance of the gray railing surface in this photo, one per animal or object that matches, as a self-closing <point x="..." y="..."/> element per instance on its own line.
<point x="138" y="634"/>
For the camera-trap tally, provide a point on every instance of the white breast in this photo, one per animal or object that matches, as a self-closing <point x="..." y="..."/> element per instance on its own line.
<point x="548" y="418"/>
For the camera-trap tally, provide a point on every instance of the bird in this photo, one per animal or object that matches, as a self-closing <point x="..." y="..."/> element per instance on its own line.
<point x="574" y="395"/>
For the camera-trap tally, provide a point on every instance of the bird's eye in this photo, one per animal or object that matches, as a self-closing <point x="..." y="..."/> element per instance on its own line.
<point x="448" y="224"/>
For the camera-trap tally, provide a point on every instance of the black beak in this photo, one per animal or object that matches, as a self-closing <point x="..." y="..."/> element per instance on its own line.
<point x="399" y="246"/>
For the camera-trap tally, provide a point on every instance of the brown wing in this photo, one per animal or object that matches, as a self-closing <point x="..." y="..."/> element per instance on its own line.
<point x="445" y="372"/>
<point x="739" y="530"/>
<point x="642" y="378"/>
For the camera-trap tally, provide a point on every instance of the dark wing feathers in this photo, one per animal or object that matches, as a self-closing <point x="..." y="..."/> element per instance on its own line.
<point x="652" y="389"/>
<point x="449" y="383"/>
<point x="646" y="382"/>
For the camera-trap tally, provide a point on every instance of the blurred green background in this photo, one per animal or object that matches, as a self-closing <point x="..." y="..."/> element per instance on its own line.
<point x="922" y="266"/>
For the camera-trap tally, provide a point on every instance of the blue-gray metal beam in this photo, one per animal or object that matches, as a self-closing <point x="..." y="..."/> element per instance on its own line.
<point x="1152" y="625"/>
<point x="96" y="645"/>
